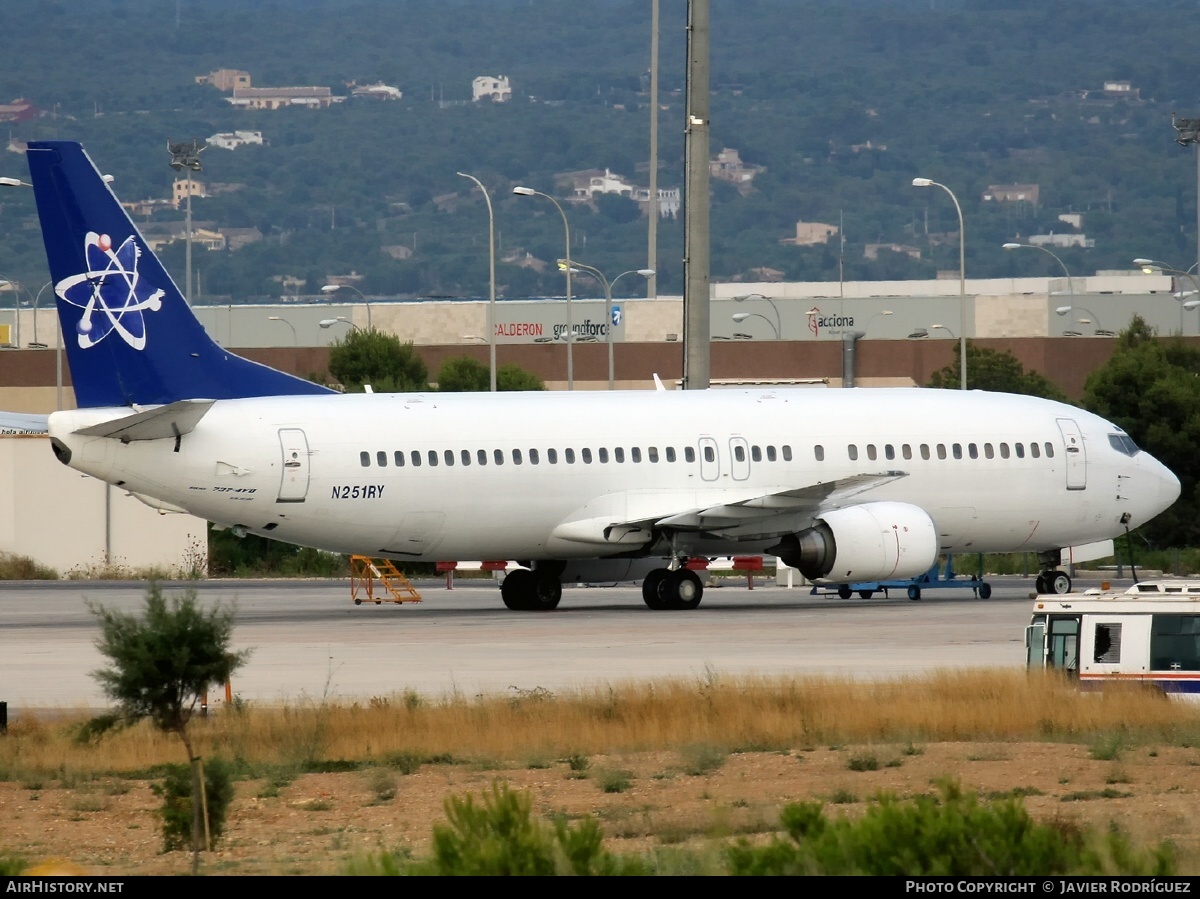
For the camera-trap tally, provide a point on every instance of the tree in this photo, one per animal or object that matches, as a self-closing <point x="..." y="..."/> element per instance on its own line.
<point x="1148" y="387"/>
<point x="462" y="374"/>
<point x="378" y="359"/>
<point x="997" y="370"/>
<point x="163" y="662"/>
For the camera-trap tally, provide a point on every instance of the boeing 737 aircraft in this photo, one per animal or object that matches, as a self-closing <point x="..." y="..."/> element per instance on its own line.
<point x="845" y="485"/>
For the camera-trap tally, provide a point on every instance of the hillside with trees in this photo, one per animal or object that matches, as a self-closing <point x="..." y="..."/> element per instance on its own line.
<point x="838" y="106"/>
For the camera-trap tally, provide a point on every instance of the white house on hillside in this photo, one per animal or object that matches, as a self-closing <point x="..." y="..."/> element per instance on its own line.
<point x="495" y="88"/>
<point x="231" y="140"/>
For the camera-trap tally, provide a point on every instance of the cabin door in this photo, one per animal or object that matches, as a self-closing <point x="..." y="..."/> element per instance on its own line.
<point x="710" y="461"/>
<point x="739" y="458"/>
<point x="1076" y="456"/>
<point x="293" y="482"/>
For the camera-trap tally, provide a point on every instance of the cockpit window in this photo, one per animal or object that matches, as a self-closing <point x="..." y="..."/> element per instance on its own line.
<point x="1123" y="443"/>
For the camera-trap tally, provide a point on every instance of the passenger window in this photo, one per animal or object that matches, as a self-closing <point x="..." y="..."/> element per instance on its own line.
<point x="957" y="450"/>
<point x="906" y="451"/>
<point x="819" y="453"/>
<point x="770" y="454"/>
<point x="925" y="451"/>
<point x="416" y="458"/>
<point x="973" y="450"/>
<point x="1035" y="451"/>
<point x="618" y="454"/>
<point x="988" y="451"/>
<point x="534" y="458"/>
<point x="941" y="450"/>
<point x="602" y="455"/>
<point x="787" y="453"/>
<point x="852" y="452"/>
<point x="1050" y="450"/>
<point x="449" y="454"/>
<point x="365" y="458"/>
<point x="586" y="455"/>
<point x="710" y="454"/>
<point x="433" y="457"/>
<point x="481" y="457"/>
<point x="516" y="454"/>
<point x="871" y="454"/>
<point x="635" y="454"/>
<point x="755" y="454"/>
<point x="1004" y="451"/>
<point x="652" y="453"/>
<point x="889" y="451"/>
<point x="1020" y="448"/>
<point x="399" y="458"/>
<point x="381" y="459"/>
<point x="670" y="454"/>
<point x="689" y="454"/>
<point x="498" y="456"/>
<point x="739" y="453"/>
<point x="552" y="456"/>
<point x="466" y="457"/>
<point x="569" y="455"/>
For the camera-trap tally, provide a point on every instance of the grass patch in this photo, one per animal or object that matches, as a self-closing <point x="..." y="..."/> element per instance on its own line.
<point x="699" y="759"/>
<point x="862" y="763"/>
<point x="1085" y="795"/>
<point x="1108" y="747"/>
<point x="613" y="780"/>
<point x="999" y="706"/>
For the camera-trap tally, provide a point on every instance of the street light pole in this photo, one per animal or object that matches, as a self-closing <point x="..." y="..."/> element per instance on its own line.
<point x="608" y="306"/>
<point x="491" y="281"/>
<point x="16" y="287"/>
<point x="1149" y="266"/>
<point x="962" y="277"/>
<point x="1050" y="253"/>
<point x="530" y="192"/>
<point x="277" y="318"/>
<point x="327" y="323"/>
<point x="774" y="308"/>
<point x="187" y="156"/>
<point x="740" y="317"/>
<point x="334" y="288"/>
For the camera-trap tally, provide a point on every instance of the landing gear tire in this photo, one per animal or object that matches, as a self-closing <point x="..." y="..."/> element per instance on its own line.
<point x="866" y="594"/>
<point x="650" y="588"/>
<point x="1040" y="584"/>
<point x="517" y="590"/>
<point x="844" y="591"/>
<point x="985" y="591"/>
<point x="546" y="592"/>
<point x="1058" y="582"/>
<point x="681" y="589"/>
<point x="914" y="593"/>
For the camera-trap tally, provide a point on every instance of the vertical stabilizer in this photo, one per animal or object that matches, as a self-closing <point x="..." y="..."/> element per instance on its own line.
<point x="129" y="335"/>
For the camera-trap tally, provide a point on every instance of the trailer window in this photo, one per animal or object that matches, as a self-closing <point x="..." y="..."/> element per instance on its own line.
<point x="1175" y="643"/>
<point x="1107" y="645"/>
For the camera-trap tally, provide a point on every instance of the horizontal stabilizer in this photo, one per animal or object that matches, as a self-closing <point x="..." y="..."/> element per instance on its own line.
<point x="173" y="420"/>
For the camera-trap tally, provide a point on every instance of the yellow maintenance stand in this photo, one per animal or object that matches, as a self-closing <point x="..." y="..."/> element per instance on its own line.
<point x="365" y="571"/>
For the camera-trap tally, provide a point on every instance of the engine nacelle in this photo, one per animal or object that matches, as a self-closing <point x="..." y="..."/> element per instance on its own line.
<point x="870" y="542"/>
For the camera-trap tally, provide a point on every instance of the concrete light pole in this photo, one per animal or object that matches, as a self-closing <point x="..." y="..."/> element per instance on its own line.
<point x="187" y="156"/>
<point x="530" y="192"/>
<point x="962" y="277"/>
<point x="608" y="305"/>
<point x="491" y="281"/>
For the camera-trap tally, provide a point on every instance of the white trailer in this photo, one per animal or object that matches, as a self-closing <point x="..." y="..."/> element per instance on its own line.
<point x="1149" y="634"/>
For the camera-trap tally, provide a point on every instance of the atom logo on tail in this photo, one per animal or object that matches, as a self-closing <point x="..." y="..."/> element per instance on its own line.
<point x="111" y="293"/>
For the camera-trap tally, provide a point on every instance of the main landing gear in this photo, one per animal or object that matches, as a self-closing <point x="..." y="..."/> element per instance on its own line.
<point x="1052" y="579"/>
<point x="667" y="589"/>
<point x="538" y="590"/>
<point x="1053" y="582"/>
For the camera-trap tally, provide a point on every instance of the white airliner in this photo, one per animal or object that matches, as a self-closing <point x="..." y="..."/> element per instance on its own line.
<point x="845" y="485"/>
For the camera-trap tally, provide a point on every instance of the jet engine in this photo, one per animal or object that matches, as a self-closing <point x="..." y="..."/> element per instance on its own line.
<point x="868" y="542"/>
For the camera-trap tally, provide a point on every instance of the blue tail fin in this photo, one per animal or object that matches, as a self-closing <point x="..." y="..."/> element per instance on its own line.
<point x="129" y="334"/>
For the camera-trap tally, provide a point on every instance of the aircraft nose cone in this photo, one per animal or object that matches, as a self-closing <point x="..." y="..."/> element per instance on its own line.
<point x="1168" y="489"/>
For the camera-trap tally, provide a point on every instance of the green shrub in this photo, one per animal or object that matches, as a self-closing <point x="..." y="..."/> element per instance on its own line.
<point x="500" y="837"/>
<point x="176" y="793"/>
<point x="953" y="834"/>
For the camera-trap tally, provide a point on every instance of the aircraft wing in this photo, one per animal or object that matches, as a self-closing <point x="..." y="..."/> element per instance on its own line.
<point x="751" y="517"/>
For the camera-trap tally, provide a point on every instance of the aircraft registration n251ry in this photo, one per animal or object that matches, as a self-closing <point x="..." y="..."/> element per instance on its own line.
<point x="845" y="485"/>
